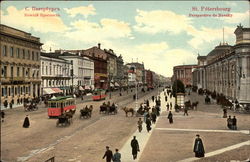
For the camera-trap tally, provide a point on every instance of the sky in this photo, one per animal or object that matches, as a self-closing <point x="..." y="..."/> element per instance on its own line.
<point x="161" y="34"/>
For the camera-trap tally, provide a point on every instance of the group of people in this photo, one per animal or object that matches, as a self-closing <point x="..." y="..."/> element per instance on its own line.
<point x="116" y="157"/>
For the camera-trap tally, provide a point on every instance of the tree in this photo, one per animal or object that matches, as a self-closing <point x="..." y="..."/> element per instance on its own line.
<point x="179" y="86"/>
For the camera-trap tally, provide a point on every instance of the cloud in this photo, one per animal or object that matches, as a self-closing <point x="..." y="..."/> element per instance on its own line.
<point x="208" y="35"/>
<point x="159" y="21"/>
<point x="24" y="19"/>
<point x="50" y="45"/>
<point x="85" y="31"/>
<point x="153" y="47"/>
<point x="85" y="11"/>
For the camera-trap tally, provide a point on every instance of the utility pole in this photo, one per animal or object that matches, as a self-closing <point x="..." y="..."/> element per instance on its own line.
<point x="72" y="78"/>
<point x="136" y="95"/>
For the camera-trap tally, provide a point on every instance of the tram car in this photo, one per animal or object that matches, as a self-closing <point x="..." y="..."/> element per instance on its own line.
<point x="57" y="106"/>
<point x="99" y="94"/>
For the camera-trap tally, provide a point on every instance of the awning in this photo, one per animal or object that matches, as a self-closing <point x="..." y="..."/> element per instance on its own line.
<point x="57" y="90"/>
<point x="81" y="88"/>
<point x="116" y="84"/>
<point x="48" y="91"/>
<point x="111" y="85"/>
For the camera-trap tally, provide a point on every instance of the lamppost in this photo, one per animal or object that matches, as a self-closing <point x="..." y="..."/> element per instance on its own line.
<point x="136" y="95"/>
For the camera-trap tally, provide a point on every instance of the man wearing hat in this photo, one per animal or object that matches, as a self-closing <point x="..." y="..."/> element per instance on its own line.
<point x="108" y="154"/>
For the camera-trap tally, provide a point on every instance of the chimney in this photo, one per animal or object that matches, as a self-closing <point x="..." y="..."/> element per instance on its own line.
<point x="99" y="45"/>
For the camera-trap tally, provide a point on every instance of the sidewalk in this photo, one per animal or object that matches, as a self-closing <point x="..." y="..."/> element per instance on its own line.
<point x="144" y="136"/>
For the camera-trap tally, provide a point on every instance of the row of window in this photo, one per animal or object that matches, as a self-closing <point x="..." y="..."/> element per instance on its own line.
<point x="56" y="70"/>
<point x="19" y="53"/>
<point x="11" y="91"/>
<point x="19" y="72"/>
<point x="49" y="83"/>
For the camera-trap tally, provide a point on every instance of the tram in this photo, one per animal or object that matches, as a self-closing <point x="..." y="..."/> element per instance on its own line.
<point x="58" y="105"/>
<point x="99" y="94"/>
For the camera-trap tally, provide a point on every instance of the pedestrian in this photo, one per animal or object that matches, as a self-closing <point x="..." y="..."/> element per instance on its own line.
<point x="145" y="116"/>
<point x="26" y="122"/>
<point x="229" y="122"/>
<point x="170" y="105"/>
<point x="117" y="156"/>
<point x="139" y="123"/>
<point x="198" y="147"/>
<point x="10" y="105"/>
<point x="2" y="115"/>
<point x="153" y="98"/>
<point x="134" y="96"/>
<point x="153" y="116"/>
<point x="147" y="103"/>
<point x="148" y="124"/>
<point x="135" y="147"/>
<point x="185" y="111"/>
<point x="166" y="98"/>
<point x="167" y="106"/>
<point x="108" y="154"/>
<point x="234" y="123"/>
<point x="224" y="113"/>
<point x="5" y="104"/>
<point x="170" y="117"/>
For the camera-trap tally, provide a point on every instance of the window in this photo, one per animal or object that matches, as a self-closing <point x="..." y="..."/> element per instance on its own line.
<point x="17" y="71"/>
<point x="23" y="72"/>
<point x="28" y="55"/>
<point x="37" y="75"/>
<point x="4" y="50"/>
<point x="50" y="69"/>
<point x="33" y="55"/>
<point x="18" y="53"/>
<point x="4" y="71"/>
<point x="37" y="56"/>
<point x="12" y="71"/>
<point x="42" y="68"/>
<point x="15" y="90"/>
<point x="11" y="51"/>
<point x="23" y="53"/>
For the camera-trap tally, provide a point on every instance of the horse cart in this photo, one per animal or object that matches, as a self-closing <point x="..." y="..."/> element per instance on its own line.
<point x="30" y="107"/>
<point x="86" y="112"/>
<point x="66" y="118"/>
<point x="108" y="109"/>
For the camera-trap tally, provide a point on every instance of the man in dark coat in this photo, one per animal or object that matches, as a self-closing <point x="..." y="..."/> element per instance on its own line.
<point x="229" y="122"/>
<point x="170" y="117"/>
<point x="5" y="103"/>
<point x="148" y="124"/>
<point x="26" y="122"/>
<point x="153" y="116"/>
<point x="2" y="115"/>
<point x="135" y="147"/>
<point x="198" y="147"/>
<point x="108" y="154"/>
<point x="234" y="123"/>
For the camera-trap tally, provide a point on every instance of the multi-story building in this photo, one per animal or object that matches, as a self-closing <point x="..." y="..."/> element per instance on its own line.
<point x="83" y="70"/>
<point x="100" y="58"/>
<point x="228" y="68"/>
<point x="20" y="65"/>
<point x="120" y="71"/>
<point x="111" y="67"/>
<point x="149" y="79"/>
<point x="55" y="72"/>
<point x="139" y="72"/>
<point x="183" y="73"/>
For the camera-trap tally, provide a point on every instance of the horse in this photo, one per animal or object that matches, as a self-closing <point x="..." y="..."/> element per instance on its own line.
<point x="127" y="110"/>
<point x="194" y="105"/>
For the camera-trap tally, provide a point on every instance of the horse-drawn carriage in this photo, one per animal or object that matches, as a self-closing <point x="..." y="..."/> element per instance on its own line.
<point x="108" y="109"/>
<point x="86" y="112"/>
<point x="65" y="118"/>
<point x="30" y="107"/>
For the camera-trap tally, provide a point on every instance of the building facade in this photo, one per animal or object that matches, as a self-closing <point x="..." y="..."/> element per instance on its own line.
<point x="120" y="71"/>
<point x="183" y="73"/>
<point x="20" y="65"/>
<point x="228" y="68"/>
<point x="55" y="72"/>
<point x="111" y="67"/>
<point x="83" y="71"/>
